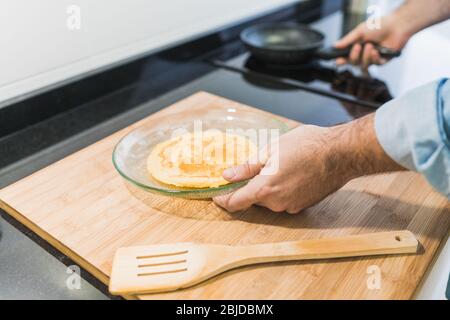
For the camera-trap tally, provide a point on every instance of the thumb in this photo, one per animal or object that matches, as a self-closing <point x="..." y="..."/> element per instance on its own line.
<point x="242" y="172"/>
<point x="350" y="38"/>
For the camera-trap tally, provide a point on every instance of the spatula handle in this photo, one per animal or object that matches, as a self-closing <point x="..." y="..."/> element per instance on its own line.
<point x="393" y="242"/>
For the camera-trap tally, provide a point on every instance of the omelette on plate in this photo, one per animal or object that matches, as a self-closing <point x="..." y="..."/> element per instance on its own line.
<point x="198" y="160"/>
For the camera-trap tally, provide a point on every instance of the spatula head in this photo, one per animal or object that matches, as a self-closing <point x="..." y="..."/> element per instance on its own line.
<point x="157" y="268"/>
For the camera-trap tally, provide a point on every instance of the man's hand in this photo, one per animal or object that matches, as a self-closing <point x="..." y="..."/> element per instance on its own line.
<point x="313" y="162"/>
<point x="392" y="34"/>
<point x="396" y="29"/>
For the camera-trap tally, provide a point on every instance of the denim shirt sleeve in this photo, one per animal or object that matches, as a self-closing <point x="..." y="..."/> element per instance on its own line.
<point x="414" y="130"/>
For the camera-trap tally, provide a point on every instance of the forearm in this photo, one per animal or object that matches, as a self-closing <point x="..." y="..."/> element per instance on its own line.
<point x="355" y="150"/>
<point x="415" y="15"/>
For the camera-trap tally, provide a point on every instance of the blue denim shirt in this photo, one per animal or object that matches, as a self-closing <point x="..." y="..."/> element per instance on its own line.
<point x="414" y="130"/>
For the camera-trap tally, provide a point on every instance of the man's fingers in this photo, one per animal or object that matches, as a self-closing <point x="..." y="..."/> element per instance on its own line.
<point x="341" y="61"/>
<point x="242" y="198"/>
<point x="242" y="172"/>
<point x="377" y="59"/>
<point x="355" y="54"/>
<point x="367" y="55"/>
<point x="350" y="40"/>
<point x="352" y="37"/>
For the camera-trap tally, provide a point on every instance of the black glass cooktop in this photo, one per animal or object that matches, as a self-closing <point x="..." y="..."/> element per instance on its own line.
<point x="316" y="77"/>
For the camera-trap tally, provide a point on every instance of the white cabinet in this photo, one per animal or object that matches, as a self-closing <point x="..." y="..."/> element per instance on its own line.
<point x="42" y="42"/>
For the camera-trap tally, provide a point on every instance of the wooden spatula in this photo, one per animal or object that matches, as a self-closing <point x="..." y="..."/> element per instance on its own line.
<point x="159" y="268"/>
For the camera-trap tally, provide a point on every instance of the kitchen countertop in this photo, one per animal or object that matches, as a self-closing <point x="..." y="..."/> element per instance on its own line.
<point x="26" y="271"/>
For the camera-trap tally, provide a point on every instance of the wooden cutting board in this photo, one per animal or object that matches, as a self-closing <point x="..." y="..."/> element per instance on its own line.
<point x="85" y="209"/>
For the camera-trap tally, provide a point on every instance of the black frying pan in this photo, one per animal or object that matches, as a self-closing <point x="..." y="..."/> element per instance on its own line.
<point x="292" y="43"/>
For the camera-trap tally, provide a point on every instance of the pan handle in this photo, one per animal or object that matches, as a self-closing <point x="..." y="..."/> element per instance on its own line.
<point x="387" y="53"/>
<point x="331" y="53"/>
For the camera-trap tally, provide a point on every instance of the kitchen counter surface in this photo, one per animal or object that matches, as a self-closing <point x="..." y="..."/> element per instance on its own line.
<point x="30" y="269"/>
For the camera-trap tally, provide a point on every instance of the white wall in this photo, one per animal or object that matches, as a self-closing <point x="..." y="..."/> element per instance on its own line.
<point x="38" y="49"/>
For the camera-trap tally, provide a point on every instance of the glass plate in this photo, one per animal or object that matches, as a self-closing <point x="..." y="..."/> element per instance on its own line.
<point x="131" y="152"/>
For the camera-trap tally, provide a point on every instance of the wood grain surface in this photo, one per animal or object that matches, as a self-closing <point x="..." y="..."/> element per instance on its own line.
<point x="86" y="210"/>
